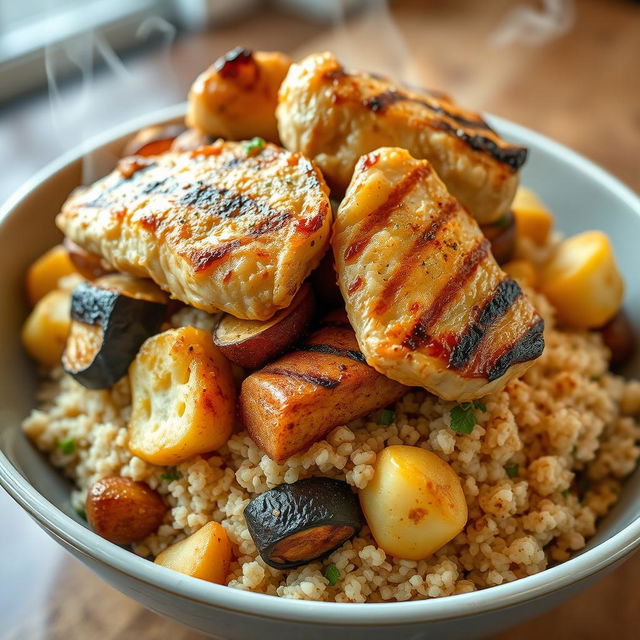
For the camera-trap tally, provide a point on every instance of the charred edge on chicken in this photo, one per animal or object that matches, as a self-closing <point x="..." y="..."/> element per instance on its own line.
<point x="502" y="299"/>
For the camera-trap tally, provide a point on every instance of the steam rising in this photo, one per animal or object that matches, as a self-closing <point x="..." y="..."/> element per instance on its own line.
<point x="376" y="31"/>
<point x="526" y="25"/>
<point x="84" y="54"/>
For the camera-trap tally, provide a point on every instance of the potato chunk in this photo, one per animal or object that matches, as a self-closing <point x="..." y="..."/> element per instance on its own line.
<point x="205" y="554"/>
<point x="533" y="219"/>
<point x="583" y="282"/>
<point x="183" y="397"/>
<point x="44" y="273"/>
<point x="414" y="504"/>
<point x="45" y="331"/>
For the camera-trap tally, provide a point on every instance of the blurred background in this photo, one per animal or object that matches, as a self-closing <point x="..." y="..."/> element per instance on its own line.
<point x="70" y="69"/>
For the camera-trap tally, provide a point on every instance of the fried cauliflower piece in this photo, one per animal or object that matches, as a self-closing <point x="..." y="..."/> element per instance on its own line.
<point x="236" y="97"/>
<point x="335" y="116"/>
<point x="428" y="302"/>
<point x="226" y="227"/>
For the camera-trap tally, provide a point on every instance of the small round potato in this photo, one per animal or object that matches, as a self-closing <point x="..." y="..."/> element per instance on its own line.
<point x="122" y="510"/>
<point x="414" y="504"/>
<point x="582" y="281"/>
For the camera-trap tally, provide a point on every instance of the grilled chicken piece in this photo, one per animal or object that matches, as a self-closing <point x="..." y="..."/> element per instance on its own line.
<point x="334" y="117"/>
<point x="300" y="397"/>
<point x="428" y="303"/>
<point x="225" y="227"/>
<point x="236" y="97"/>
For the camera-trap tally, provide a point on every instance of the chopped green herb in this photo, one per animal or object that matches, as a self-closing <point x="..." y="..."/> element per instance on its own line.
<point x="463" y="418"/>
<point x="171" y="474"/>
<point x="565" y="494"/>
<point x="512" y="469"/>
<point x="502" y="222"/>
<point x="82" y="513"/>
<point x="268" y="183"/>
<point x="251" y="147"/>
<point x="574" y="450"/>
<point x="387" y="417"/>
<point x="332" y="574"/>
<point x="480" y="406"/>
<point x="67" y="446"/>
<point x="595" y="378"/>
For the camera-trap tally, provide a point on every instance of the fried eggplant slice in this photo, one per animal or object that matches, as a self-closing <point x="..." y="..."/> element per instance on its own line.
<point x="334" y="116"/>
<point x="300" y="397"/>
<point x="236" y="97"/>
<point x="226" y="227"/>
<point x="428" y="302"/>
<point x="294" y="524"/>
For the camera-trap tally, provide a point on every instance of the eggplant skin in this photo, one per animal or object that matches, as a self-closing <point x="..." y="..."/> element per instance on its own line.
<point x="126" y="322"/>
<point x="291" y="509"/>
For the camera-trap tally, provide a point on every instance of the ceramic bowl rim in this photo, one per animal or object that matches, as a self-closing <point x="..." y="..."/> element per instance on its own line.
<point x="86" y="542"/>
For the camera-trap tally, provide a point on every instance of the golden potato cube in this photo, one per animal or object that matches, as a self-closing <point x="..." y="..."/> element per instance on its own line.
<point x="205" y="554"/>
<point x="183" y="397"/>
<point x="523" y="271"/>
<point x="45" y="331"/>
<point x="414" y="504"/>
<point x="533" y="219"/>
<point x="43" y="275"/>
<point x="582" y="281"/>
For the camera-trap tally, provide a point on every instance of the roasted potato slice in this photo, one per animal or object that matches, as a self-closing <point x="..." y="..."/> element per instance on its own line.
<point x="300" y="397"/>
<point x="251" y="343"/>
<point x="183" y="397"/>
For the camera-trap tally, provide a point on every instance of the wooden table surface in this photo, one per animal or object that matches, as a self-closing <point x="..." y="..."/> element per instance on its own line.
<point x="581" y="88"/>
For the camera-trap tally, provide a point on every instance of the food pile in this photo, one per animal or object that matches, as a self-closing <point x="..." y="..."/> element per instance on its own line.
<point x="319" y="343"/>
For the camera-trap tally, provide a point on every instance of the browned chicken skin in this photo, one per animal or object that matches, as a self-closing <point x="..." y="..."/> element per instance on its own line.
<point x="236" y="97"/>
<point x="225" y="227"/>
<point x="335" y="116"/>
<point x="428" y="303"/>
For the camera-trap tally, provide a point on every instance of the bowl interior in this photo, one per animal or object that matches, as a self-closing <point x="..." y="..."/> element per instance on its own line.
<point x="580" y="195"/>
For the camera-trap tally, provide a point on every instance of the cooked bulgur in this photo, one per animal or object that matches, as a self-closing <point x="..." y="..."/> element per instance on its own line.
<point x="545" y="460"/>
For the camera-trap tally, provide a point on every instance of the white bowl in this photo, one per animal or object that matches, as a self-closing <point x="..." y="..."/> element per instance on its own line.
<point x="581" y="195"/>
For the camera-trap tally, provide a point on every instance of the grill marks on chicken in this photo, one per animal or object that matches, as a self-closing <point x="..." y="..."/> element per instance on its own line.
<point x="454" y="123"/>
<point x="221" y="227"/>
<point x="335" y="116"/>
<point x="432" y="308"/>
<point x="378" y="218"/>
<point x="420" y="332"/>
